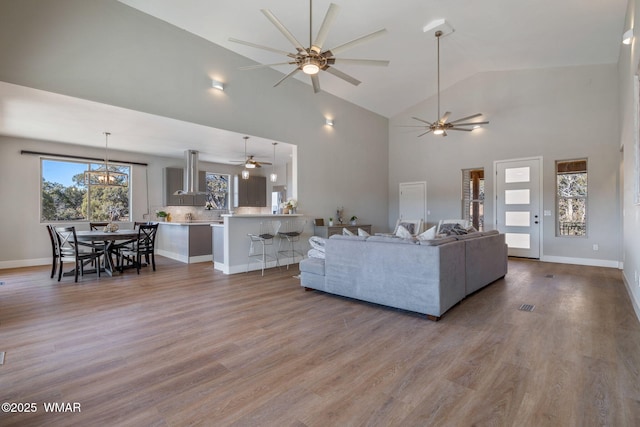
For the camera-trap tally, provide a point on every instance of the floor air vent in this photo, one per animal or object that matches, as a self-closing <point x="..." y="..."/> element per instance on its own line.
<point x="526" y="307"/>
<point x="1" y="357"/>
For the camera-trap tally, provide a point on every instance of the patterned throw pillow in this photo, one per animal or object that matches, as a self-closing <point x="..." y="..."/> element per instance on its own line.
<point x="452" y="229"/>
<point x="409" y="226"/>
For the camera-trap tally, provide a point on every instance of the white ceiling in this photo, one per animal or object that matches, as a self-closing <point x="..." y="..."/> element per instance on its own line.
<point x="488" y="35"/>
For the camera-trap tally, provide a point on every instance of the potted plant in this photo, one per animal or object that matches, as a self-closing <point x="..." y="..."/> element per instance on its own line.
<point x="161" y="215"/>
<point x="354" y="220"/>
<point x="330" y="222"/>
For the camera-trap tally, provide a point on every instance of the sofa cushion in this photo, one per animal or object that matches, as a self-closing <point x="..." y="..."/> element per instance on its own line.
<point x="342" y="237"/>
<point x="391" y="239"/>
<point x="438" y="241"/>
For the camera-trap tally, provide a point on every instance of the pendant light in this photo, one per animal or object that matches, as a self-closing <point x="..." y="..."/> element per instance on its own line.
<point x="245" y="171"/>
<point x="274" y="176"/>
<point x="104" y="176"/>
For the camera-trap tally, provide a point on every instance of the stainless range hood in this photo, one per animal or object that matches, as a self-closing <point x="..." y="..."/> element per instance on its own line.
<point x="190" y="181"/>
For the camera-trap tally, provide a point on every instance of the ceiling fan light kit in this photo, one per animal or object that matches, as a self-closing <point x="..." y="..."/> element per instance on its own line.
<point x="441" y="125"/>
<point x="313" y="59"/>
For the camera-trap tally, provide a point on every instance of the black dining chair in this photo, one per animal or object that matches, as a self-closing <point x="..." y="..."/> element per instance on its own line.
<point x="69" y="249"/>
<point x="54" y="249"/>
<point x="143" y="245"/>
<point x="95" y="226"/>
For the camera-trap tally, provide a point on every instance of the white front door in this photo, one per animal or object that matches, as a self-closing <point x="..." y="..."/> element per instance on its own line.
<point x="518" y="205"/>
<point x="413" y="200"/>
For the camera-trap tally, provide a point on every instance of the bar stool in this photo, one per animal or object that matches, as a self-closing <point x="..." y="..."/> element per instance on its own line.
<point x="290" y="233"/>
<point x="268" y="230"/>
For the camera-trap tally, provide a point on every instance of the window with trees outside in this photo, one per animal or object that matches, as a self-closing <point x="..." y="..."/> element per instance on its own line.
<point x="571" y="182"/>
<point x="66" y="197"/>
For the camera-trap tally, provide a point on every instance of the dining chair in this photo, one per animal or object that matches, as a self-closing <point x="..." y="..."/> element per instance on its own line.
<point x="69" y="249"/>
<point x="54" y="249"/>
<point x="143" y="245"/>
<point x="95" y="226"/>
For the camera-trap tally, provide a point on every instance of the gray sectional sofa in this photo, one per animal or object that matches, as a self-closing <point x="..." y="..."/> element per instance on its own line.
<point x="427" y="277"/>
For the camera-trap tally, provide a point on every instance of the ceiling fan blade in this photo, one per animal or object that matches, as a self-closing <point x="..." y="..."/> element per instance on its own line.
<point x="295" y="70"/>
<point x="331" y="15"/>
<point x="271" y="17"/>
<point x="424" y="133"/>
<point x="423" y="121"/>
<point x="259" y="46"/>
<point x="315" y="81"/>
<point x="455" y="128"/>
<point x="353" y="43"/>
<point x="466" y="118"/>
<point x="444" y="118"/>
<point x="254" y="67"/>
<point x="468" y="124"/>
<point x="342" y="75"/>
<point x="376" y="62"/>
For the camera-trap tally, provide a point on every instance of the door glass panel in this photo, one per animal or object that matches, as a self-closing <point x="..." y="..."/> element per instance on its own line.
<point x="512" y="175"/>
<point x="518" y="240"/>
<point x="517" y="219"/>
<point x="517" y="197"/>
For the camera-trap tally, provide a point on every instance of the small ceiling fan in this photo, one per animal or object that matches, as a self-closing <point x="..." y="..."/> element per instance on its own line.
<point x="311" y="60"/>
<point x="249" y="161"/>
<point x="441" y="126"/>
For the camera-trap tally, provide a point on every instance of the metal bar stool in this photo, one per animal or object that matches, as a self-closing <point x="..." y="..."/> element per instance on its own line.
<point x="260" y="242"/>
<point x="290" y="233"/>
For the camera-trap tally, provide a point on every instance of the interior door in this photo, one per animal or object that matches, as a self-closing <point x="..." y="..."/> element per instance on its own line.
<point x="413" y="200"/>
<point x="518" y="205"/>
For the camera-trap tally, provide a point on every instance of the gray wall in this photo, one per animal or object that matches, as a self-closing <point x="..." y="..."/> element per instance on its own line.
<point x="557" y="114"/>
<point x="105" y="51"/>
<point x="627" y="69"/>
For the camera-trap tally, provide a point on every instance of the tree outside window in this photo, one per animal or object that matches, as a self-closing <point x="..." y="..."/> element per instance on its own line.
<point x="66" y="197"/>
<point x="571" y="183"/>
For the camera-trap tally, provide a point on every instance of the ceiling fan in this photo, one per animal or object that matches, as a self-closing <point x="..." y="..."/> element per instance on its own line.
<point x="249" y="161"/>
<point x="441" y="126"/>
<point x="313" y="59"/>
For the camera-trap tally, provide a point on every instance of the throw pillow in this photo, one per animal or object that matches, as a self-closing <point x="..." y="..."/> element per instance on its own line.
<point x="428" y="235"/>
<point x="403" y="233"/>
<point x="347" y="232"/>
<point x="317" y="243"/>
<point x="452" y="229"/>
<point x="409" y="226"/>
<point x="362" y="232"/>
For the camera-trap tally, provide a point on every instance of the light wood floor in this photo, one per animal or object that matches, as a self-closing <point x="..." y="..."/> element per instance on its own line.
<point x="187" y="345"/>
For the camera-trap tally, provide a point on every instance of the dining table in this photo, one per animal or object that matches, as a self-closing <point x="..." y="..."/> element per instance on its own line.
<point x="112" y="240"/>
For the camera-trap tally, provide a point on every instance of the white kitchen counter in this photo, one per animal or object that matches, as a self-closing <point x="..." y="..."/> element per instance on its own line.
<point x="236" y="242"/>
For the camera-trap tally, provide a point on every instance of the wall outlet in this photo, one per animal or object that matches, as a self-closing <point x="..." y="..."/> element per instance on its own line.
<point x="595" y="247"/>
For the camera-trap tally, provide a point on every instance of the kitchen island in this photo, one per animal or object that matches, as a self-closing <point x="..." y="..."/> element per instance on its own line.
<point x="188" y="242"/>
<point x="232" y="235"/>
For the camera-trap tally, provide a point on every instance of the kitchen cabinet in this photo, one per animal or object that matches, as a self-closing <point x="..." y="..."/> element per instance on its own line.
<point x="250" y="192"/>
<point x="174" y="181"/>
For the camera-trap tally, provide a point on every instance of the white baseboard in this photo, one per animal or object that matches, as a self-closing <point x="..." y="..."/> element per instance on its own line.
<point x="627" y="284"/>
<point x="25" y="263"/>
<point x="582" y="261"/>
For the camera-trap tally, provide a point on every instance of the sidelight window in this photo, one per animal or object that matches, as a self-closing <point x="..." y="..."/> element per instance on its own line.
<point x="473" y="197"/>
<point x="571" y="197"/>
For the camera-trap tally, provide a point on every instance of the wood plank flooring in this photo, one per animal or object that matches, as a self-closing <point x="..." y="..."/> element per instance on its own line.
<point x="187" y="345"/>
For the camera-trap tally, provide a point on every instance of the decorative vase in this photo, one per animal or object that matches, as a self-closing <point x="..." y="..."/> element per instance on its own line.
<point x="354" y="222"/>
<point x="285" y="211"/>
<point x="330" y="223"/>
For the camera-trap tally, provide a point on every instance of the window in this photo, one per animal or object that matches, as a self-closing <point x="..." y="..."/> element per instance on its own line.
<point x="218" y="189"/>
<point x="571" y="179"/>
<point x="66" y="197"/>
<point x="473" y="197"/>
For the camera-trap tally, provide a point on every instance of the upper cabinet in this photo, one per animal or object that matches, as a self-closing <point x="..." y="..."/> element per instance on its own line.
<point x="174" y="181"/>
<point x="250" y="192"/>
